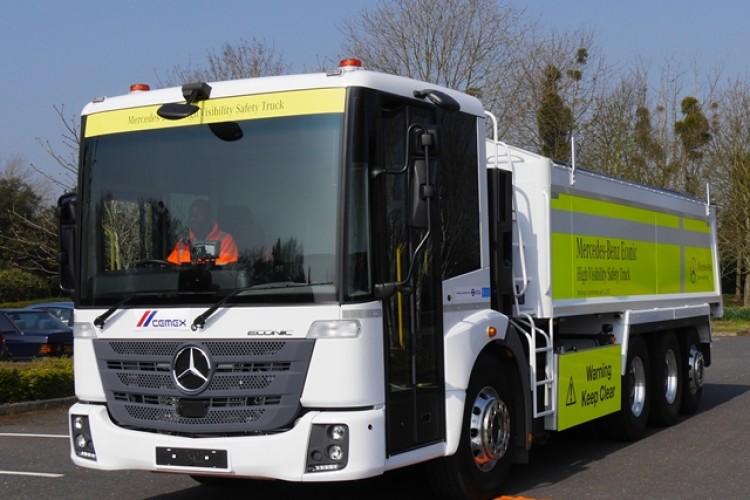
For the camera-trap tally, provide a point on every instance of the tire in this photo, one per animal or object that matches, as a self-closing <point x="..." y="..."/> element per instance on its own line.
<point x="483" y="458"/>
<point x="667" y="381"/>
<point x="629" y="424"/>
<point x="693" y="366"/>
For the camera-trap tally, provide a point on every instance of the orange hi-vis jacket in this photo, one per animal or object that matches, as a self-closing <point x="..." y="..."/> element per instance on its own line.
<point x="227" y="252"/>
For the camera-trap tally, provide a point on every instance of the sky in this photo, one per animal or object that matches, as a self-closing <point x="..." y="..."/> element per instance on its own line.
<point x="65" y="53"/>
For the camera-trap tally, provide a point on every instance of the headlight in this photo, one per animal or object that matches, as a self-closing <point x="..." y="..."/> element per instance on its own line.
<point x="340" y="329"/>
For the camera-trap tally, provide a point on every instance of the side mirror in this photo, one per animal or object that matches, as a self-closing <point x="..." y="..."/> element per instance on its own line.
<point x="423" y="175"/>
<point x="422" y="188"/>
<point x="66" y="217"/>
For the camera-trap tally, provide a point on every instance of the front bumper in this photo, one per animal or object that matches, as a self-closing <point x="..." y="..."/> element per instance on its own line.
<point x="281" y="456"/>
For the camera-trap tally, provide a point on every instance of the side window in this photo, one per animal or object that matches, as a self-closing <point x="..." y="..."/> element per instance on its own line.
<point x="5" y="324"/>
<point x="457" y="179"/>
<point x="459" y="193"/>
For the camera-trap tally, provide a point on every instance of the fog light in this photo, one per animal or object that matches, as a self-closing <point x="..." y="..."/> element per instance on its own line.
<point x="83" y="445"/>
<point x="81" y="441"/>
<point x="338" y="432"/>
<point x="328" y="448"/>
<point x="335" y="453"/>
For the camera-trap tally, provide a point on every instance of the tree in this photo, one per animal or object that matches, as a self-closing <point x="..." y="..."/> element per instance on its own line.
<point x="245" y="60"/>
<point x="482" y="47"/>
<point x="582" y="85"/>
<point x="694" y="135"/>
<point x="729" y="154"/>
<point x="621" y="138"/>
<point x="649" y="162"/>
<point x="17" y="285"/>
<point x="693" y="129"/>
<point x="645" y="130"/>
<point x="554" y="118"/>
<point x="467" y="45"/>
<point x="67" y="159"/>
<point x="28" y="232"/>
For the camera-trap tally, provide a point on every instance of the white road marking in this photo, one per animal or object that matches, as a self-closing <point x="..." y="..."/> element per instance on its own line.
<point x="21" y="434"/>
<point x="37" y="474"/>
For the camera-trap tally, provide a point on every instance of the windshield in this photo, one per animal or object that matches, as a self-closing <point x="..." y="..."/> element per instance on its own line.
<point x="191" y="213"/>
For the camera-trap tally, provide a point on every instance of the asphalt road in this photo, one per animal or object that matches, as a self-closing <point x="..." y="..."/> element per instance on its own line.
<point x="706" y="455"/>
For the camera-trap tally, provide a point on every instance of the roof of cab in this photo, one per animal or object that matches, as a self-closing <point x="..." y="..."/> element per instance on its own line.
<point x="343" y="78"/>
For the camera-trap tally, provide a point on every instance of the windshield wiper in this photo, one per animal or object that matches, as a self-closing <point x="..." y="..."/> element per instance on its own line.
<point x="99" y="321"/>
<point x="200" y="320"/>
<point x="287" y="284"/>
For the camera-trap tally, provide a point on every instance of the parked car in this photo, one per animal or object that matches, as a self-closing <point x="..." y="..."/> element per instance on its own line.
<point x="63" y="310"/>
<point x="4" y="353"/>
<point x="34" y="333"/>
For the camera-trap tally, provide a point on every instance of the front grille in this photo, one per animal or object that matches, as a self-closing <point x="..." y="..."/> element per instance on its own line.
<point x="255" y="387"/>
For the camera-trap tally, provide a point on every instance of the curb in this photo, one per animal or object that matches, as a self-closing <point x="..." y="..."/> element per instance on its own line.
<point x="28" y="406"/>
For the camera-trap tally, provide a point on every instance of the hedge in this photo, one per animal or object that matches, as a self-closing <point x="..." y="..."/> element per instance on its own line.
<point x="48" y="378"/>
<point x="17" y="285"/>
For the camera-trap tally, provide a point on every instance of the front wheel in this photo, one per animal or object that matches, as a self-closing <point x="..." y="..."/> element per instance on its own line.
<point x="482" y="460"/>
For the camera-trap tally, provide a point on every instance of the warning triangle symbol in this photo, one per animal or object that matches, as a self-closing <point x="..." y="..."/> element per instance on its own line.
<point x="570" y="399"/>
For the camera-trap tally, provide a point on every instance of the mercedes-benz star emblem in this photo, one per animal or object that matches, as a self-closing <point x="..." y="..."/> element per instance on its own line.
<point x="191" y="369"/>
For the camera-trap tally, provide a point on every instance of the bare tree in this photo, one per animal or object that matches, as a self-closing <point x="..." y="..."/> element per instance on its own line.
<point x="27" y="229"/>
<point x="245" y="60"/>
<point x="616" y="138"/>
<point x="730" y="156"/>
<point x="66" y="159"/>
<point x="466" y="45"/>
<point x="31" y="242"/>
<point x="584" y="77"/>
<point x="482" y="47"/>
<point x="680" y="170"/>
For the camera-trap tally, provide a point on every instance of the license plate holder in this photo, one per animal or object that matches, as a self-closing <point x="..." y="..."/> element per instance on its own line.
<point x="192" y="457"/>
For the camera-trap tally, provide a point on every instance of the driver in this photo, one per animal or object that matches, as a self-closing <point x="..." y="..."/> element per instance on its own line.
<point x="204" y="228"/>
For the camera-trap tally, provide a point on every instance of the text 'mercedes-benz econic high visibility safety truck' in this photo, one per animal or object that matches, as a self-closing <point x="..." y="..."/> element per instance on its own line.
<point x="386" y="284"/>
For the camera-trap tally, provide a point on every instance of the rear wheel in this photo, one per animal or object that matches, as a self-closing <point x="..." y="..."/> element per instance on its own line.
<point x="667" y="381"/>
<point x="693" y="365"/>
<point x="482" y="461"/>
<point x="631" y="421"/>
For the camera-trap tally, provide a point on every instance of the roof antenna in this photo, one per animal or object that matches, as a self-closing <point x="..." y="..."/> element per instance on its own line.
<point x="572" y="159"/>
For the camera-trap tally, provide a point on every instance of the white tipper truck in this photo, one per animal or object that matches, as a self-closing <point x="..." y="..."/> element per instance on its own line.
<point x="399" y="286"/>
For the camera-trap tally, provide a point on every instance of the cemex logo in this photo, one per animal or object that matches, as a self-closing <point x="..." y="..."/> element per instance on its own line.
<point x="149" y="320"/>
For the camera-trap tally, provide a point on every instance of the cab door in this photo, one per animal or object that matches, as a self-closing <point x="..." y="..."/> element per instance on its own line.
<point x="409" y="257"/>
